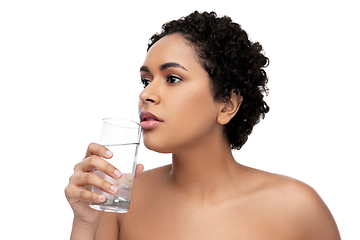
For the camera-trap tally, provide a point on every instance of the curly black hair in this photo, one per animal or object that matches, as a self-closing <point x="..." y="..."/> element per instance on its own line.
<point x="233" y="62"/>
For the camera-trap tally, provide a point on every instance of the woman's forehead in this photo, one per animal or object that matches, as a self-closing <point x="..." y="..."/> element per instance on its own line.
<point x="171" y="48"/>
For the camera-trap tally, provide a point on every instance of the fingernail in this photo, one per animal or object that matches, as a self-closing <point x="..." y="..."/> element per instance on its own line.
<point x="117" y="173"/>
<point x="113" y="188"/>
<point x="102" y="198"/>
<point x="108" y="153"/>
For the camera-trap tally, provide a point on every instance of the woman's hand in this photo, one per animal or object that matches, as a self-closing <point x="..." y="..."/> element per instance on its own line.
<point x="78" y="191"/>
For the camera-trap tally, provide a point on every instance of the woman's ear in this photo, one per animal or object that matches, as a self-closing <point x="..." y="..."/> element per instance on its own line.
<point x="229" y="108"/>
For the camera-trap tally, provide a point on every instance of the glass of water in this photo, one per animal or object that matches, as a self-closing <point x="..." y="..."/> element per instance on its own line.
<point x="122" y="138"/>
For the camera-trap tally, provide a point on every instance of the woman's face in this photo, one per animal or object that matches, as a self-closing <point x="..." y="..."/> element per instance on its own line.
<point x="177" y="107"/>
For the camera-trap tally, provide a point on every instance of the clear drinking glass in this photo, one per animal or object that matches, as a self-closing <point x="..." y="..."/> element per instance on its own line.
<point x="122" y="138"/>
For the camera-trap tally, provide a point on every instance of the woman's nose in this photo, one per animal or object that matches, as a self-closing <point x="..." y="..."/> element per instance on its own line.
<point x="150" y="94"/>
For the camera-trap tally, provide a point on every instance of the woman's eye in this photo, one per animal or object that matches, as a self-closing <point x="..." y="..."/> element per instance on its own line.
<point x="173" y="79"/>
<point x="145" y="82"/>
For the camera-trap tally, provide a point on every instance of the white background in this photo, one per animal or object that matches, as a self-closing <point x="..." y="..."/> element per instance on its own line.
<point x="64" y="65"/>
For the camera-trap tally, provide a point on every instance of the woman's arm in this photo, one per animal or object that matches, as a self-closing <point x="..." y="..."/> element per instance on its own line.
<point x="108" y="227"/>
<point x="82" y="231"/>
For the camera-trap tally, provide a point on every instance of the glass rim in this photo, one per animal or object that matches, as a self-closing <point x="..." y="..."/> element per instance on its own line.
<point x="108" y="119"/>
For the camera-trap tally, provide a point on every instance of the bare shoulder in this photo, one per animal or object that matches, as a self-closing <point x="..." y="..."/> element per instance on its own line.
<point x="296" y="205"/>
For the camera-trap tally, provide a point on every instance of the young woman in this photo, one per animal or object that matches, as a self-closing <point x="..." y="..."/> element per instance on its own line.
<point x="203" y="92"/>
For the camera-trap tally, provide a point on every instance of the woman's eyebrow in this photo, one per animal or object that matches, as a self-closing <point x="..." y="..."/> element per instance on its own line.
<point x="171" y="64"/>
<point x="163" y="67"/>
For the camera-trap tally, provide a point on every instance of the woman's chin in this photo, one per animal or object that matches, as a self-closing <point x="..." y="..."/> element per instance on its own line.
<point x="156" y="146"/>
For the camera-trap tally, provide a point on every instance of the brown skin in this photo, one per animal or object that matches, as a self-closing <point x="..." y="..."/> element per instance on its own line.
<point x="258" y="205"/>
<point x="204" y="193"/>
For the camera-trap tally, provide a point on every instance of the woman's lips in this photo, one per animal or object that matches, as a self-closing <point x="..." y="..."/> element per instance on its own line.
<point x="149" y="120"/>
<point x="149" y="124"/>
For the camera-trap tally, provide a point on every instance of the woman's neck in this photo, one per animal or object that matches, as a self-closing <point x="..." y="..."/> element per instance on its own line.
<point x="204" y="170"/>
